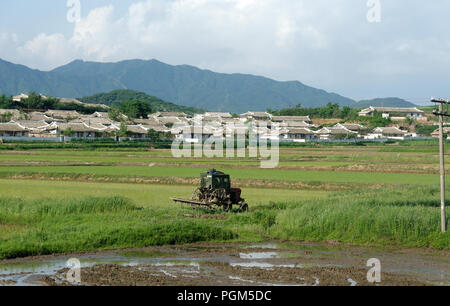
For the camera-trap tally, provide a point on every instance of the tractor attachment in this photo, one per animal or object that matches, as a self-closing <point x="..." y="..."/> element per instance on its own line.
<point x="215" y="191"/>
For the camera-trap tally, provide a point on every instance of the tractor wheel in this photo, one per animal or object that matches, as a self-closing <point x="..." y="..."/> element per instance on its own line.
<point x="243" y="208"/>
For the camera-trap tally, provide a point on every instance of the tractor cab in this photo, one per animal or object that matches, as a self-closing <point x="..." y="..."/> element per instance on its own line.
<point x="214" y="179"/>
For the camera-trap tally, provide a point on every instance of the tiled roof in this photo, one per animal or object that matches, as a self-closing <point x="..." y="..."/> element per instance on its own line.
<point x="11" y="127"/>
<point x="389" y="130"/>
<point x="291" y="118"/>
<point x="301" y="131"/>
<point x="76" y="127"/>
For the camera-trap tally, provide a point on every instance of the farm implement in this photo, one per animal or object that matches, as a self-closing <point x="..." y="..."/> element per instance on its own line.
<point x="215" y="191"/>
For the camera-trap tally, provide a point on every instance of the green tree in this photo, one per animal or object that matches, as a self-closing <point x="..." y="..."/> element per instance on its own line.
<point x="153" y="135"/>
<point x="426" y="130"/>
<point x="135" y="109"/>
<point x="123" y="132"/>
<point x="68" y="132"/>
<point x="34" y="101"/>
<point x="349" y="113"/>
<point x="115" y="114"/>
<point x="6" y="117"/>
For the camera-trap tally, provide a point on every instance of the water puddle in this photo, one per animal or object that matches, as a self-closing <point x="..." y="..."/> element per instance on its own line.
<point x="352" y="282"/>
<point x="263" y="265"/>
<point x="263" y="246"/>
<point x="241" y="279"/>
<point x="30" y="273"/>
<point x="196" y="262"/>
<point x="261" y="255"/>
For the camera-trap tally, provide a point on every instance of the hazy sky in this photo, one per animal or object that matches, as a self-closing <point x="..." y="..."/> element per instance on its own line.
<point x="329" y="44"/>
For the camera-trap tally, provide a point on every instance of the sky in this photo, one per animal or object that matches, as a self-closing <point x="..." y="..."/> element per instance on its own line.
<point x="357" y="48"/>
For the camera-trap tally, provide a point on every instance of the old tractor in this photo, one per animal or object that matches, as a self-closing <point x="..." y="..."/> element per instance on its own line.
<point x="215" y="191"/>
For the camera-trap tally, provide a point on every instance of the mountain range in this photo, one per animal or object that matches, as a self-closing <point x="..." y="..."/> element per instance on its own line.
<point x="183" y="85"/>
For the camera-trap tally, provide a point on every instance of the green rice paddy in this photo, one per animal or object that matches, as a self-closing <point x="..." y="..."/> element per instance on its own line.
<point x="51" y="202"/>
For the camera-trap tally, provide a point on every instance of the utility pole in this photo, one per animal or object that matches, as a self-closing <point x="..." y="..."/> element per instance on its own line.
<point x="441" y="115"/>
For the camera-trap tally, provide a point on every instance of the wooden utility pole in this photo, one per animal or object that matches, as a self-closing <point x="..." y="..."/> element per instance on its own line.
<point x="441" y="115"/>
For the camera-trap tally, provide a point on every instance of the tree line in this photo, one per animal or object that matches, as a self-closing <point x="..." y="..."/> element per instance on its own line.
<point x="334" y="111"/>
<point x="36" y="102"/>
<point x="132" y="109"/>
<point x="329" y="111"/>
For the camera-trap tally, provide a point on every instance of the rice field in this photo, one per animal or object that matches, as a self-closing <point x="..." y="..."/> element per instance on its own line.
<point x="63" y="200"/>
<point x="144" y="195"/>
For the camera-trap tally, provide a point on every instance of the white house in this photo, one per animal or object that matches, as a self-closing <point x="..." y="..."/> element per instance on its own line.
<point x="387" y="132"/>
<point x="446" y="130"/>
<point x="13" y="129"/>
<point x="335" y="132"/>
<point x="256" y="116"/>
<point x="397" y="112"/>
<point x="297" y="134"/>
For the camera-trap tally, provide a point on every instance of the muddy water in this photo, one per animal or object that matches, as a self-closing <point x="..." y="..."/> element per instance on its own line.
<point x="302" y="264"/>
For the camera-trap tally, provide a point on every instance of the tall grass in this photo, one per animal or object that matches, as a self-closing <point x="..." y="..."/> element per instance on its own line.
<point x="408" y="216"/>
<point x="54" y="226"/>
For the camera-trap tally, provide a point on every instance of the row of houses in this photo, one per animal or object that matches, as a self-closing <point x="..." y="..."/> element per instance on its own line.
<point x="395" y="113"/>
<point x="344" y="131"/>
<point x="54" y="123"/>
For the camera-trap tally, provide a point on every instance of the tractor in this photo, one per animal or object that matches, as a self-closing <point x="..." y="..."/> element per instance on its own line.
<point x="215" y="190"/>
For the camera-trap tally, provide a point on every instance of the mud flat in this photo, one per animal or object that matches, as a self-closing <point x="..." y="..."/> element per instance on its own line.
<point x="265" y="264"/>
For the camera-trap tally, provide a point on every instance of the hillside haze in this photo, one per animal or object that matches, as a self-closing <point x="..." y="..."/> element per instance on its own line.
<point x="182" y="85"/>
<point x="383" y="102"/>
<point x="116" y="97"/>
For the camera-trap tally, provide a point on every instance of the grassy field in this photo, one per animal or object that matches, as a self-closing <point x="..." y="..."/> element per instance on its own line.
<point x="141" y="194"/>
<point x="54" y="225"/>
<point x="248" y="174"/>
<point x="62" y="200"/>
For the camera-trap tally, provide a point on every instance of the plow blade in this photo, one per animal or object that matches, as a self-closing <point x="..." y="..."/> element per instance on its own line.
<point x="192" y="202"/>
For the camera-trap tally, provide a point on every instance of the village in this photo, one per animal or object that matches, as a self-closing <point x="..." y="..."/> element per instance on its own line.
<point x="63" y="125"/>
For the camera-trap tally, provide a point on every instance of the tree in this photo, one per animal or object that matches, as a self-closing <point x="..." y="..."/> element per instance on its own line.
<point x="34" y="101"/>
<point x="123" y="132"/>
<point x="8" y="103"/>
<point x="426" y="130"/>
<point x="135" y="109"/>
<point x="153" y="135"/>
<point x="68" y="132"/>
<point x="6" y="117"/>
<point x="376" y="121"/>
<point x="37" y="102"/>
<point x="115" y="114"/>
<point x="24" y="115"/>
<point x="3" y="101"/>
